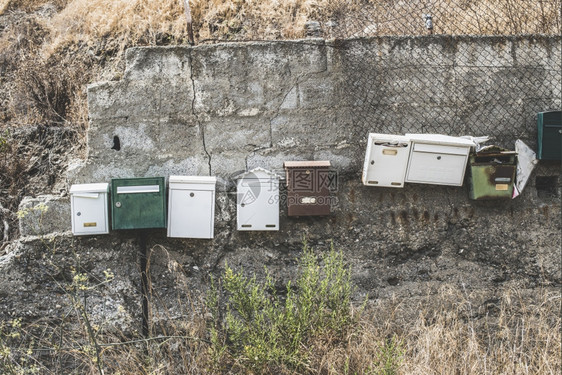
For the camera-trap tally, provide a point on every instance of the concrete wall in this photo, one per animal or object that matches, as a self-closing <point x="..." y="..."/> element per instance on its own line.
<point x="221" y="109"/>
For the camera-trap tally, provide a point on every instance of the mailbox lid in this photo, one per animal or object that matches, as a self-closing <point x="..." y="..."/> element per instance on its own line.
<point x="138" y="203"/>
<point x="440" y="139"/>
<point x="192" y="182"/>
<point x="89" y="209"/>
<point x="549" y="135"/>
<point x="386" y="160"/>
<point x="102" y="187"/>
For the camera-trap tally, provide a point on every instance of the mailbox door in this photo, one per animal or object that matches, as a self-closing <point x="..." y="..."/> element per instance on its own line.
<point x="308" y="191"/>
<point x="138" y="203"/>
<point x="491" y="181"/>
<point x="550" y="135"/>
<point x="316" y="203"/>
<point x="437" y="164"/>
<point x="191" y="213"/>
<point x="258" y="205"/>
<point x="89" y="213"/>
<point x="385" y="165"/>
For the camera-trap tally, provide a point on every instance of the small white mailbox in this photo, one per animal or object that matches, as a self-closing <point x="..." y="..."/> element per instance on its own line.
<point x="89" y="209"/>
<point x="386" y="160"/>
<point x="437" y="159"/>
<point x="257" y="200"/>
<point x="191" y="206"/>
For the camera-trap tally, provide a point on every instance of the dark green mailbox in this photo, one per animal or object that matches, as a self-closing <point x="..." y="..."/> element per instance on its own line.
<point x="138" y="203"/>
<point x="549" y="135"/>
<point x="492" y="174"/>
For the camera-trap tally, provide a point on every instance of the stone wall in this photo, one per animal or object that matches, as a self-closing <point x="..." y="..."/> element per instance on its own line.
<point x="225" y="108"/>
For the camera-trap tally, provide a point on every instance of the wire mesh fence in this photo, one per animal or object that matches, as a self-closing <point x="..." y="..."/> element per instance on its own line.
<point x="449" y="83"/>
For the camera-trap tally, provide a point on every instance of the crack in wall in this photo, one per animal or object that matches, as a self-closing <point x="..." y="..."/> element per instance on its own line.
<point x="298" y="80"/>
<point x="199" y="123"/>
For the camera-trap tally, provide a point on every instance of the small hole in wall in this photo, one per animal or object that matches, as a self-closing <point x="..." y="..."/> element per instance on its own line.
<point x="116" y="143"/>
<point x="547" y="186"/>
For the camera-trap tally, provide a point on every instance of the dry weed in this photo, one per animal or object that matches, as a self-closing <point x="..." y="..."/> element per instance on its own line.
<point x="455" y="332"/>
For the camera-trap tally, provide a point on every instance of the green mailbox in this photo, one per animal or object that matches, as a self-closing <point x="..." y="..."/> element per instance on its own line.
<point x="549" y="135"/>
<point x="138" y="203"/>
<point x="492" y="174"/>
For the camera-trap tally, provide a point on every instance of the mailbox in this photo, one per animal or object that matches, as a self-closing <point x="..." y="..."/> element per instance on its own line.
<point x="309" y="186"/>
<point x="386" y="160"/>
<point x="138" y="203"/>
<point x="191" y="206"/>
<point x="88" y="206"/>
<point x="257" y="200"/>
<point x="549" y="135"/>
<point x="437" y="159"/>
<point x="492" y="174"/>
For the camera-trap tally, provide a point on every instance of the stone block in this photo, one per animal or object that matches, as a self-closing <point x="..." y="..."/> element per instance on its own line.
<point x="44" y="215"/>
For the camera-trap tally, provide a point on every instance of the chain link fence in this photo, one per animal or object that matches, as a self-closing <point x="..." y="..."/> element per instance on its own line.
<point x="446" y="85"/>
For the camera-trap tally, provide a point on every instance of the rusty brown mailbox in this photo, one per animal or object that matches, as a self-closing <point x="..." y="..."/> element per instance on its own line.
<point x="309" y="187"/>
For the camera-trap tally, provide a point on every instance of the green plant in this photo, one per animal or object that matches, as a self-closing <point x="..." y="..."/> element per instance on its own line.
<point x="263" y="330"/>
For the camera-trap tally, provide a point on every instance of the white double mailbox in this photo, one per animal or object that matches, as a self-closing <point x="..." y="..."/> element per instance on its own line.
<point x="437" y="159"/>
<point x="89" y="209"/>
<point x="191" y="206"/>
<point x="386" y="160"/>
<point x="257" y="200"/>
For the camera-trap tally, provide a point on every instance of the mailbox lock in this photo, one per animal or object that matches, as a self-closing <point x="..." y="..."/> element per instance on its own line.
<point x="78" y="213"/>
<point x="117" y="204"/>
<point x="191" y="194"/>
<point x="307" y="171"/>
<point x="439" y="158"/>
<point x="242" y="204"/>
<point x="372" y="162"/>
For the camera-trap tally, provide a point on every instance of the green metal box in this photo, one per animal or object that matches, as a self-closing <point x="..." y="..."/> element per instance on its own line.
<point x="492" y="174"/>
<point x="549" y="135"/>
<point x="138" y="203"/>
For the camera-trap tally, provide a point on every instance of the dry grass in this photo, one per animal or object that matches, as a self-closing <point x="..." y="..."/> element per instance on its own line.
<point x="458" y="333"/>
<point x="454" y="332"/>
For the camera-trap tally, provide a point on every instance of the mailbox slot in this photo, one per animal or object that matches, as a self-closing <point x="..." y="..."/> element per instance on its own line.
<point x="138" y="203"/>
<point x="138" y="189"/>
<point x="257" y="200"/>
<point x="191" y="206"/>
<point x="549" y="130"/>
<point x="386" y="160"/>
<point x="437" y="159"/>
<point x="89" y="209"/>
<point x="309" y="185"/>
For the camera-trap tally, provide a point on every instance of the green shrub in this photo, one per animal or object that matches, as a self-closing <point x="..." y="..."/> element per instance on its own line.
<point x="262" y="330"/>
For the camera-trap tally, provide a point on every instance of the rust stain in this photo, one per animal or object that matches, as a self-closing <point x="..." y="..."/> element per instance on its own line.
<point x="404" y="217"/>
<point x="426" y="215"/>
<point x="393" y="218"/>
<point x="545" y="211"/>
<point x="415" y="213"/>
<point x="436" y="217"/>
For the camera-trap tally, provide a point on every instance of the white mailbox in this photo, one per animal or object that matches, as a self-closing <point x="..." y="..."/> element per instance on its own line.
<point x="386" y="160"/>
<point x="191" y="206"/>
<point x="89" y="209"/>
<point x="257" y="200"/>
<point x="437" y="159"/>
